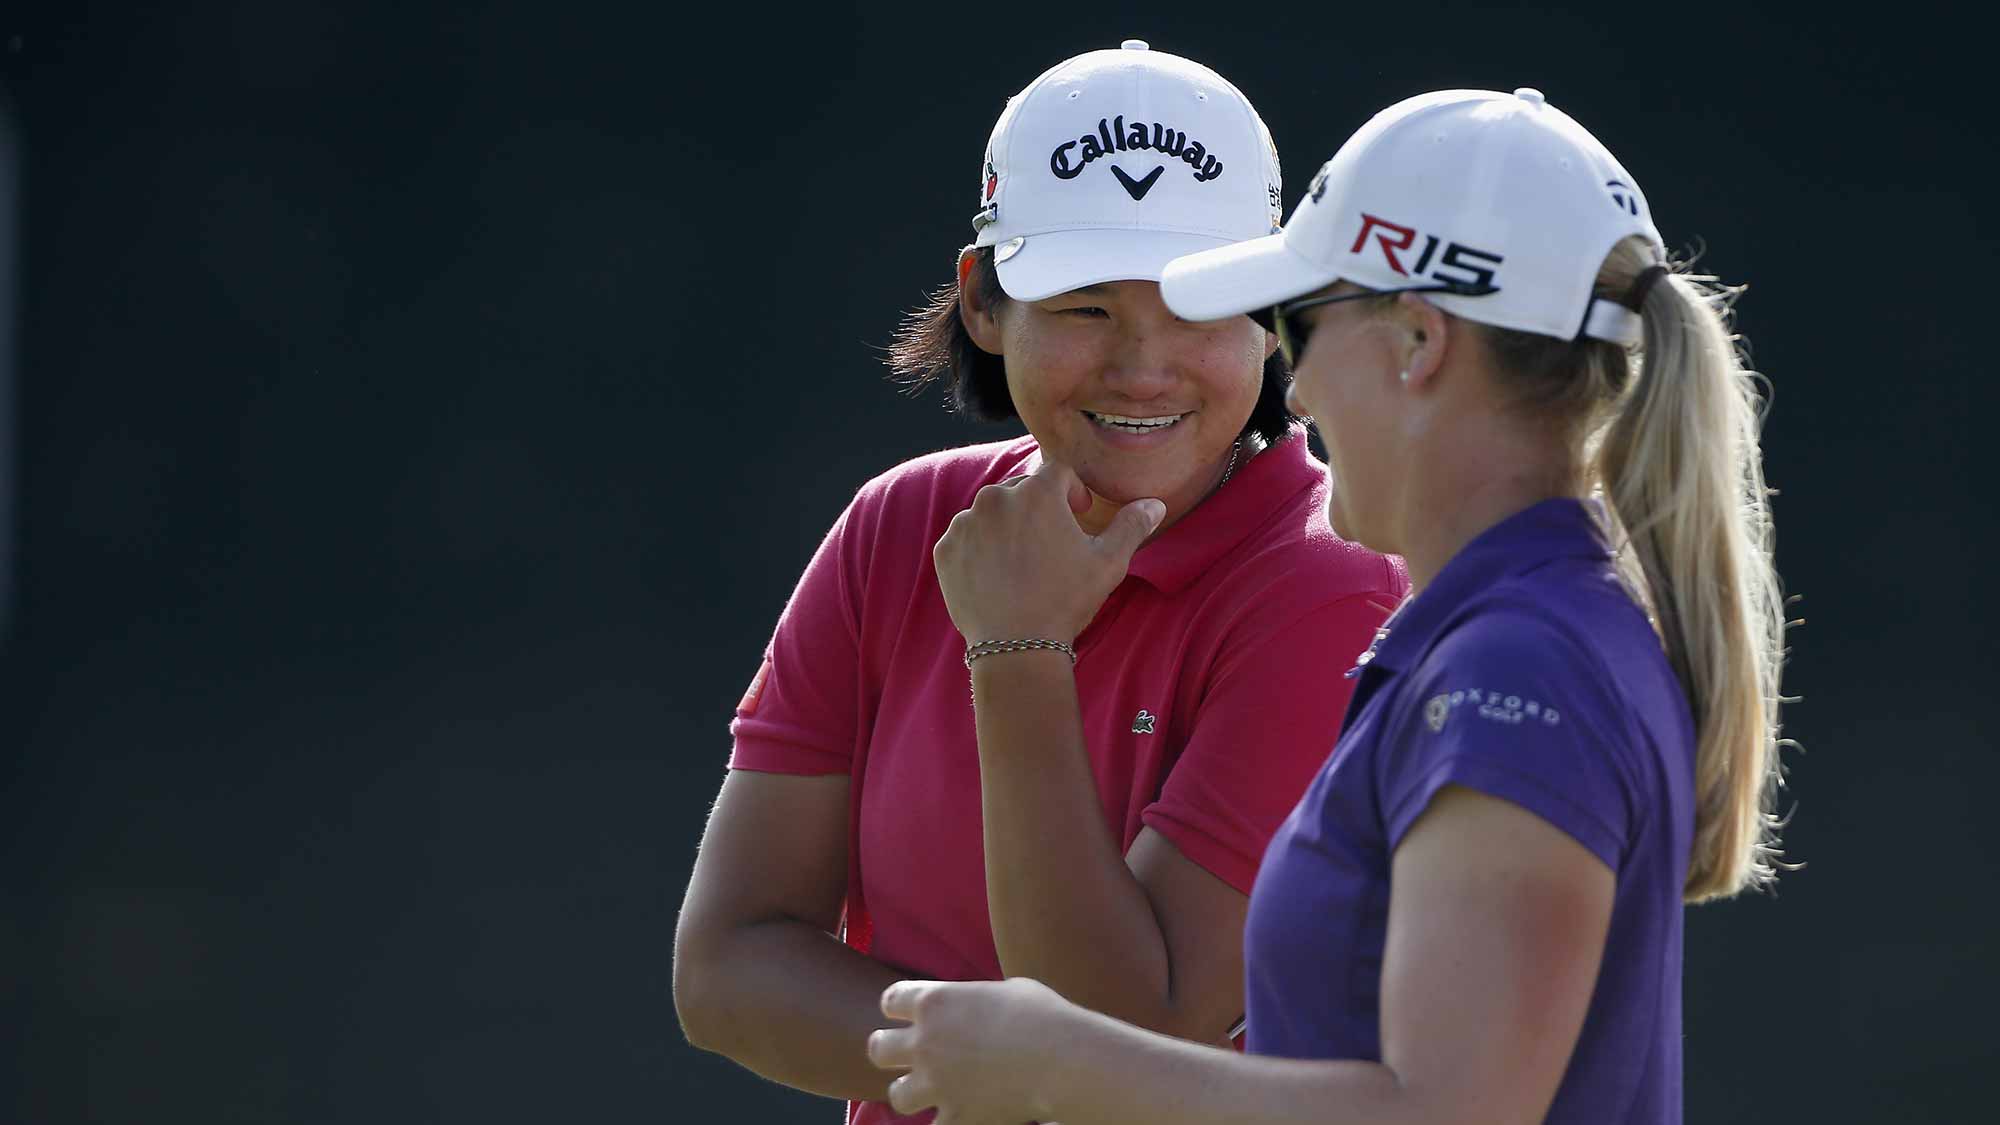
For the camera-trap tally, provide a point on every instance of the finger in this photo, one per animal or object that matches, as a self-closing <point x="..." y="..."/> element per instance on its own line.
<point x="892" y="1048"/>
<point x="1064" y="479"/>
<point x="1079" y="496"/>
<point x="1057" y="474"/>
<point x="1010" y="482"/>
<point x="1130" y="527"/>
<point x="900" y="1000"/>
<point x="911" y="1093"/>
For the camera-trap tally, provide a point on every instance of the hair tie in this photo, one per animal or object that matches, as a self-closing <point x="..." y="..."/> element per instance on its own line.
<point x="1635" y="297"/>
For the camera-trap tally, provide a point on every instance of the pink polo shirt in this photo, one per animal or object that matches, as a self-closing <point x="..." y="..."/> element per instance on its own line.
<point x="1212" y="687"/>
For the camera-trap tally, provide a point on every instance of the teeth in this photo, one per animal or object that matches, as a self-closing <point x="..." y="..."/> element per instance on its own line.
<point x="1135" y="425"/>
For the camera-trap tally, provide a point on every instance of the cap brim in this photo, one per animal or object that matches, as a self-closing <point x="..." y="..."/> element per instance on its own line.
<point x="1239" y="277"/>
<point x="1059" y="261"/>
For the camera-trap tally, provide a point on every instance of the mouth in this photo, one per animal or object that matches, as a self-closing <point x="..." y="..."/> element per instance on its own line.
<point x="1125" y="424"/>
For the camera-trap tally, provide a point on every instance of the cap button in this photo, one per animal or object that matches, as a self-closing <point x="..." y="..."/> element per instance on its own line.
<point x="1136" y="45"/>
<point x="1531" y="95"/>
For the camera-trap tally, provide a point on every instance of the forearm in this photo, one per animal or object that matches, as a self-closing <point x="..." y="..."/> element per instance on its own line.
<point x="1065" y="908"/>
<point x="1114" y="1074"/>
<point x="792" y="1003"/>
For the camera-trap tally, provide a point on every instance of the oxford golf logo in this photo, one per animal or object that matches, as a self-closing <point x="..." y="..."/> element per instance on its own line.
<point x="1114" y="135"/>
<point x="1491" y="705"/>
<point x="1437" y="711"/>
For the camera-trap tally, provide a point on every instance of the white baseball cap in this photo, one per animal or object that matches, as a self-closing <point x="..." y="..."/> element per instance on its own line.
<point x="1113" y="163"/>
<point x="1499" y="207"/>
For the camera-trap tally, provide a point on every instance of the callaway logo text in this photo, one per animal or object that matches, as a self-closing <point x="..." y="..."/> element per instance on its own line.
<point x="1113" y="135"/>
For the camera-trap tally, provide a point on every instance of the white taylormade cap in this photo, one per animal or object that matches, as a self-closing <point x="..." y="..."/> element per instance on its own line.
<point x="1501" y="201"/>
<point x="1114" y="163"/>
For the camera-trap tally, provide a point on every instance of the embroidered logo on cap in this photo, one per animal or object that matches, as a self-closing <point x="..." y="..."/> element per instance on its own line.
<point x="1113" y="135"/>
<point x="1137" y="189"/>
<point x="1478" y="266"/>
<point x="1622" y="196"/>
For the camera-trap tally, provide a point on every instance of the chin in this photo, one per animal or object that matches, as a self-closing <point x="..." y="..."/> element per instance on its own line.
<point x="1343" y="524"/>
<point x="1122" y="488"/>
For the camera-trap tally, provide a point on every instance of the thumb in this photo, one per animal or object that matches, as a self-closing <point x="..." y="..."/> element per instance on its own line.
<point x="1128" y="530"/>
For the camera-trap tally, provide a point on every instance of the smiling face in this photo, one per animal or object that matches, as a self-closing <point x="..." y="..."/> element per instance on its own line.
<point x="1139" y="402"/>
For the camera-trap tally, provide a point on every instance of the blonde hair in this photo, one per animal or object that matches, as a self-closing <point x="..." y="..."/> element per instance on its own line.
<point x="1674" y="451"/>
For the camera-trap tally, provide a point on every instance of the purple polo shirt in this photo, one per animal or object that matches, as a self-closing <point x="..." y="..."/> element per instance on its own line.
<point x="1524" y="671"/>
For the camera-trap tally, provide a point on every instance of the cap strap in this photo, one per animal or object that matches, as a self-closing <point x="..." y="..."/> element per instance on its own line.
<point x="1611" y="321"/>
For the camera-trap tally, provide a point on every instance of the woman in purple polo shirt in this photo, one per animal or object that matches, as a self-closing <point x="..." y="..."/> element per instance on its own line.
<point x="1474" y="914"/>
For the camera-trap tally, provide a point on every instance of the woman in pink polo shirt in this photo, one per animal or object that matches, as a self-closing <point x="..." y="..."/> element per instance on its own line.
<point x="1096" y="822"/>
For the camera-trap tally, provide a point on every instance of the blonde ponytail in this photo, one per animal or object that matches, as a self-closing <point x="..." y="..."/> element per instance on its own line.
<point x="1674" y="452"/>
<point x="1680" y="465"/>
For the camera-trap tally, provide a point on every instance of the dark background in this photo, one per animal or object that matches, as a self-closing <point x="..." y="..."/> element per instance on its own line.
<point x="423" y="410"/>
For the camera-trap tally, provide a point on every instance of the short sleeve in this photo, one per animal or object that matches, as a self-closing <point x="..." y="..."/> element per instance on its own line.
<point x="802" y="708"/>
<point x="1508" y="705"/>
<point x="1267" y="723"/>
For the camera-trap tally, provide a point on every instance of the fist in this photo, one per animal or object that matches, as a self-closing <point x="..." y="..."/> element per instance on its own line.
<point x="1016" y="564"/>
<point x="977" y="1051"/>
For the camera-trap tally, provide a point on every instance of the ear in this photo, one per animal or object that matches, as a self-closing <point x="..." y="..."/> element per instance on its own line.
<point x="1425" y="337"/>
<point x="975" y="307"/>
<point x="1270" y="342"/>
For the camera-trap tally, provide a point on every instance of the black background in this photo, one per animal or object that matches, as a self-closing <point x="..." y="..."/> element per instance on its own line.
<point x="423" y="410"/>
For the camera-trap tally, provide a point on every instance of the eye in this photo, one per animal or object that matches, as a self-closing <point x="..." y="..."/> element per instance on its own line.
<point x="1083" y="311"/>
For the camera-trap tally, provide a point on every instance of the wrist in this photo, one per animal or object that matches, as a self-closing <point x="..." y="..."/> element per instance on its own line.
<point x="978" y="650"/>
<point x="1055" y="1086"/>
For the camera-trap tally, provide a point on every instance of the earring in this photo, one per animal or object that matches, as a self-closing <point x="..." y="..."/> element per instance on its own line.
<point x="1403" y="375"/>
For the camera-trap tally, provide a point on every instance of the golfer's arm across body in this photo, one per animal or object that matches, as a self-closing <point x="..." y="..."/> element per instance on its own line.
<point x="1497" y="924"/>
<point x="1147" y="936"/>
<point x="759" y="975"/>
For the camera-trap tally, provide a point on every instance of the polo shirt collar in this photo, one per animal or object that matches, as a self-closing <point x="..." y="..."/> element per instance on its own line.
<point x="1563" y="527"/>
<point x="1229" y="515"/>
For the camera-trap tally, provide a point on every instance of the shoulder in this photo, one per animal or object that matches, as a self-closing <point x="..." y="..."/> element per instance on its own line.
<point x="1296" y="559"/>
<point x="1517" y="657"/>
<point x="1294" y="551"/>
<point x="1505" y="630"/>
<point x="965" y="468"/>
<point x="944" y="481"/>
<point x="1573" y="615"/>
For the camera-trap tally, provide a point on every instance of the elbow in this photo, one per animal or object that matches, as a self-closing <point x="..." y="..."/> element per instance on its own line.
<point x="693" y="984"/>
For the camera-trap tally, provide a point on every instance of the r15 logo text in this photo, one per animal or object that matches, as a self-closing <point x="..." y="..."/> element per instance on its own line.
<point x="1459" y="266"/>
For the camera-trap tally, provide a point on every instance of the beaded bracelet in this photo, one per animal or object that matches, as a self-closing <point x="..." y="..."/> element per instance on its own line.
<point x="988" y="648"/>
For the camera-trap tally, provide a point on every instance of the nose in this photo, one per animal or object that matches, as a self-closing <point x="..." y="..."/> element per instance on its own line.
<point x="1144" y="364"/>
<point x="1292" y="402"/>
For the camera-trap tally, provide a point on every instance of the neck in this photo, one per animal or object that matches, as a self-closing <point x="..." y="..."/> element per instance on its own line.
<point x="1463" y="496"/>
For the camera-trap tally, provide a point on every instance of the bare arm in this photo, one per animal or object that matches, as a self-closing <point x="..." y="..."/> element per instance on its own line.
<point x="759" y="975"/>
<point x="1497" y="923"/>
<point x="1147" y="936"/>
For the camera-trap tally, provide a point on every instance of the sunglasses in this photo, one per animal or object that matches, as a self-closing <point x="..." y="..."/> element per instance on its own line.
<point x="1293" y="333"/>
